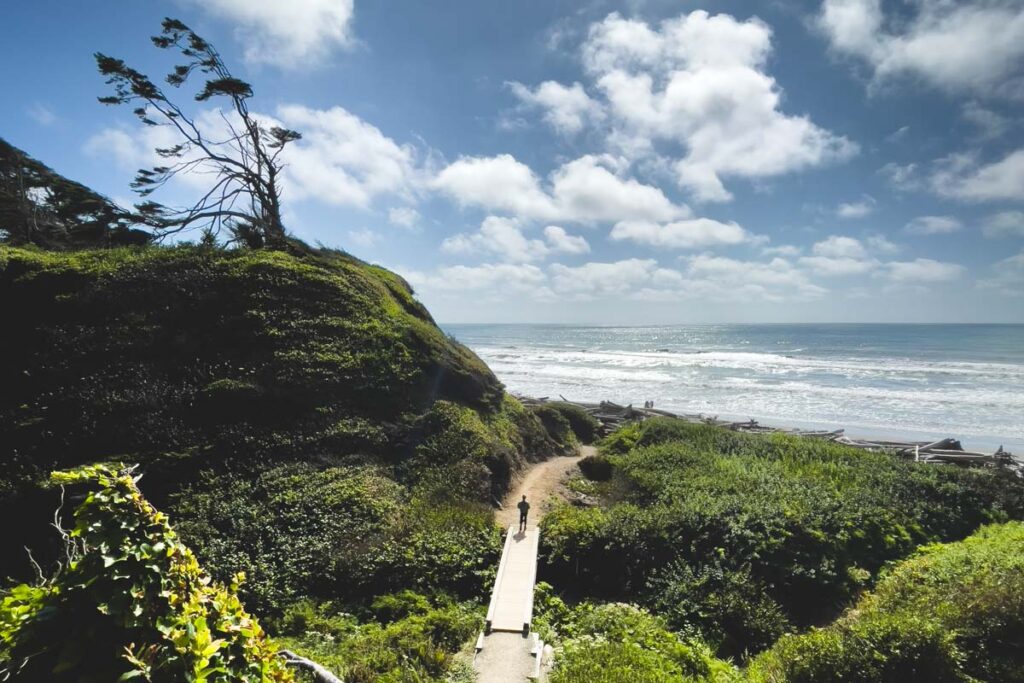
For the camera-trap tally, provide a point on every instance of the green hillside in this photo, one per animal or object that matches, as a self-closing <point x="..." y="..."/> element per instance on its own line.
<point x="299" y="414"/>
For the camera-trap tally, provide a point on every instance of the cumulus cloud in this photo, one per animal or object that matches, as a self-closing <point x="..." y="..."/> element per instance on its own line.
<point x="404" y="216"/>
<point x="699" y="81"/>
<point x="695" y="233"/>
<point x="567" y="109"/>
<point x="775" y="280"/>
<point x="969" y="45"/>
<point x="504" y="238"/>
<point x="922" y="270"/>
<point x="962" y="176"/>
<point x="858" y="209"/>
<point x="882" y="245"/>
<point x="287" y="34"/>
<point x="933" y="225"/>
<point x="364" y="237"/>
<point x="990" y="124"/>
<point x="586" y="190"/>
<point x="562" y="242"/>
<point x="344" y="160"/>
<point x="839" y="246"/>
<point x="519" y="278"/>
<point x="1004" y="224"/>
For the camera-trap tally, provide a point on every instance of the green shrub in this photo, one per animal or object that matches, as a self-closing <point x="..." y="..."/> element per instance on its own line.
<point x="132" y="602"/>
<point x="417" y="647"/>
<point x="584" y="425"/>
<point x="738" y="538"/>
<point x="557" y="425"/>
<point x="952" y="612"/>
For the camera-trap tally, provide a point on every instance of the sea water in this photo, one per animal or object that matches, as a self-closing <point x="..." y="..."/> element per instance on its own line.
<point x="873" y="380"/>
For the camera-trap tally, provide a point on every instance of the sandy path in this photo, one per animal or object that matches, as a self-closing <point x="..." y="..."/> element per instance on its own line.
<point x="539" y="484"/>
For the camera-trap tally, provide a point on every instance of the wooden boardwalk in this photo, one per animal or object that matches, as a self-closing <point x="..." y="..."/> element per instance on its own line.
<point x="511" y="608"/>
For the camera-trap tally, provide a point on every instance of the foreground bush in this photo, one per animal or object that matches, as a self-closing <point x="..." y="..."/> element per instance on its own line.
<point x="737" y="539"/>
<point x="132" y="602"/>
<point x="413" y="638"/>
<point x="953" y="612"/>
<point x="607" y="643"/>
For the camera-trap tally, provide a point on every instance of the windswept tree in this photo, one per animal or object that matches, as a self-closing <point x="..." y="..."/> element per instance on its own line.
<point x="239" y="151"/>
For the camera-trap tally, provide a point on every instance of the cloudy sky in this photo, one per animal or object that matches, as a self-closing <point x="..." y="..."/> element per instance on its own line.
<point x="601" y="162"/>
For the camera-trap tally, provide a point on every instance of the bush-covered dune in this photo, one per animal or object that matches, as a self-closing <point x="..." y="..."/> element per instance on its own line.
<point x="299" y="414"/>
<point x="737" y="539"/>
<point x="951" y="613"/>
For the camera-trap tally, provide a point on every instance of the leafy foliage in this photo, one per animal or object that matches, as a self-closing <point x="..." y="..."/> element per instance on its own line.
<point x="953" y="612"/>
<point x="606" y="643"/>
<point x="132" y="602"/>
<point x="738" y="539"/>
<point x="584" y="425"/>
<point x="411" y="639"/>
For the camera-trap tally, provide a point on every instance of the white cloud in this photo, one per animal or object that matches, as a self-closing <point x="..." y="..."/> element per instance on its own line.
<point x="922" y="270"/>
<point x="127" y="150"/>
<point x="288" y="34"/>
<point x="562" y="242"/>
<point x="344" y="160"/>
<point x="961" y="176"/>
<point x="838" y="255"/>
<point x="782" y="250"/>
<point x="730" y="279"/>
<point x="519" y="278"/>
<point x="964" y="45"/>
<point x="504" y="238"/>
<point x="881" y="244"/>
<point x="583" y="191"/>
<point x="1007" y="276"/>
<point x="364" y="237"/>
<point x="858" y="209"/>
<point x="698" y="81"/>
<point x="839" y="246"/>
<point x="902" y="177"/>
<point x="615" y="279"/>
<point x="695" y="233"/>
<point x="566" y="109"/>
<point x="933" y="225"/>
<point x="838" y="265"/>
<point x="1004" y="224"/>
<point x="498" y="236"/>
<point x="404" y="216"/>
<point x="990" y="124"/>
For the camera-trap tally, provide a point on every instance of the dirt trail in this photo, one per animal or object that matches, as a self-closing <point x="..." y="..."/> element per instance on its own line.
<point x="540" y="482"/>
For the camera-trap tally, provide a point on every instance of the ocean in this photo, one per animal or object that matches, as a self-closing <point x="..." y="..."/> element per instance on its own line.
<point x="873" y="380"/>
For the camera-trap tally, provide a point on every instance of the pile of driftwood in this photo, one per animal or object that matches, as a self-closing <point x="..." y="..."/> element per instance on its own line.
<point x="947" y="451"/>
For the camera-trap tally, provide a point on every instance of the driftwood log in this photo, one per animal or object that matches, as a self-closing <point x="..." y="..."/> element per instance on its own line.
<point x="319" y="672"/>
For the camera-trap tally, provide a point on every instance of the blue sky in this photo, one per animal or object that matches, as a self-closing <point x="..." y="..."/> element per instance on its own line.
<point x="618" y="163"/>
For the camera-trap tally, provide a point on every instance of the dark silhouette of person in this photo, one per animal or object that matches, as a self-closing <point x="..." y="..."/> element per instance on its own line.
<point x="524" y="509"/>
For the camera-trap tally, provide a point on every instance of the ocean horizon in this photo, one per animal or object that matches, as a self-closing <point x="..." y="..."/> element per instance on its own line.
<point x="875" y="380"/>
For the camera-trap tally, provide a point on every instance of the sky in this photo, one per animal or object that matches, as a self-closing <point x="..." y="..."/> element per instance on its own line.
<point x="641" y="162"/>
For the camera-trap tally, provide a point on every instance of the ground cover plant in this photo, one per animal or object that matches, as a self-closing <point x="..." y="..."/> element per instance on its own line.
<point x="737" y="539"/>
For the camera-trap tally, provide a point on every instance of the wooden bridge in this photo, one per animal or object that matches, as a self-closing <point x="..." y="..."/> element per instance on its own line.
<point x="505" y="651"/>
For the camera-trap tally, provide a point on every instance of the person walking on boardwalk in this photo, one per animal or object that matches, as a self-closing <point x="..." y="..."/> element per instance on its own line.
<point x="524" y="509"/>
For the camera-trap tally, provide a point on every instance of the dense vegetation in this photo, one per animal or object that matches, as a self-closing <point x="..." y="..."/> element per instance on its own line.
<point x="737" y="539"/>
<point x="130" y="602"/>
<point x="952" y="613"/>
<point x="298" y="414"/>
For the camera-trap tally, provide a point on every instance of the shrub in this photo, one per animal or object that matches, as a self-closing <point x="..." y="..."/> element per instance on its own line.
<point x="952" y="612"/>
<point x="584" y="425"/>
<point x="557" y="425"/>
<point x="132" y="602"/>
<point x="738" y="538"/>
